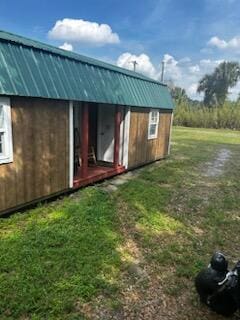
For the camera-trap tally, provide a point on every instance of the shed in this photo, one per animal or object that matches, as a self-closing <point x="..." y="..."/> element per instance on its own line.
<point x="67" y="120"/>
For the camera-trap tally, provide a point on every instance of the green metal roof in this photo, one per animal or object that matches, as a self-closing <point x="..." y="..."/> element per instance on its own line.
<point x="33" y="69"/>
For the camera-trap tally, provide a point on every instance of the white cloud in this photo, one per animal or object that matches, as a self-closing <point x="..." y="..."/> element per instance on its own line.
<point x="233" y="44"/>
<point x="78" y="30"/>
<point x="185" y="60"/>
<point x="144" y="64"/>
<point x="234" y="92"/>
<point x="67" y="46"/>
<point x="194" y="69"/>
<point x="216" y="42"/>
<point x="192" y="89"/>
<point x="183" y="72"/>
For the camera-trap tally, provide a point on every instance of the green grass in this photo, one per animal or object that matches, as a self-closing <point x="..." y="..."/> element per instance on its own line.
<point x="56" y="255"/>
<point x="59" y="257"/>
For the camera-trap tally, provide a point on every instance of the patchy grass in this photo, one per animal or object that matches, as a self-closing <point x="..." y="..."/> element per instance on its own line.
<point x="130" y="254"/>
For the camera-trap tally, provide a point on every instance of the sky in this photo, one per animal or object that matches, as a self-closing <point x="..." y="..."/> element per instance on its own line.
<point x="191" y="37"/>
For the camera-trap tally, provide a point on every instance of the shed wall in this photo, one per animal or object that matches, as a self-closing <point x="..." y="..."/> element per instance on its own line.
<point x="40" y="152"/>
<point x="142" y="150"/>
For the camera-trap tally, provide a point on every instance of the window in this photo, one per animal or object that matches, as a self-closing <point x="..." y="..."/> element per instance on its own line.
<point x="153" y="124"/>
<point x="6" y="153"/>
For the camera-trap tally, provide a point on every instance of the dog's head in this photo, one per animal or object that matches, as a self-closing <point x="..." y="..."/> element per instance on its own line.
<point x="219" y="262"/>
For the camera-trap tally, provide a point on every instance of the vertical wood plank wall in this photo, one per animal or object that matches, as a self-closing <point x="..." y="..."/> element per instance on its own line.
<point x="40" y="152"/>
<point x="142" y="150"/>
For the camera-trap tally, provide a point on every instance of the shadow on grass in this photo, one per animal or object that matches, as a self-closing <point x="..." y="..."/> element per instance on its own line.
<point x="58" y="255"/>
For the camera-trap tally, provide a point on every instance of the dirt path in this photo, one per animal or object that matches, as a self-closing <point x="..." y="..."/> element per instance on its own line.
<point x="216" y="167"/>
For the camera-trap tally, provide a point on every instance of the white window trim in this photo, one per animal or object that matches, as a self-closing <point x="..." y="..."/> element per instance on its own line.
<point x="7" y="157"/>
<point x="126" y="132"/>
<point x="155" y="135"/>
<point x="170" y="135"/>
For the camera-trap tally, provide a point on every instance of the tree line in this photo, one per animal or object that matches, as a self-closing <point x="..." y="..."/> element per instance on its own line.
<point x="215" y="111"/>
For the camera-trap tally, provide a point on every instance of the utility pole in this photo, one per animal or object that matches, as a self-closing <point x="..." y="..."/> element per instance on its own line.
<point x="134" y="62"/>
<point x="162" y="75"/>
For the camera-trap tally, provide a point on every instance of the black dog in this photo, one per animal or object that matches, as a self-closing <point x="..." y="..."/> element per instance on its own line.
<point x="218" y="287"/>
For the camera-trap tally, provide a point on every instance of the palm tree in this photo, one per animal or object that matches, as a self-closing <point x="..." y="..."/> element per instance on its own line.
<point x="207" y="85"/>
<point x="179" y="94"/>
<point x="215" y="86"/>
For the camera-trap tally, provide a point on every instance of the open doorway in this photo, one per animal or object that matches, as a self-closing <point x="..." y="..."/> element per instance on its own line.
<point x="97" y="142"/>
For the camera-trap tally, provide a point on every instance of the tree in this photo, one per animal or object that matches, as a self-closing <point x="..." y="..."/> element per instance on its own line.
<point x="179" y="94"/>
<point x="207" y="85"/>
<point x="215" y="86"/>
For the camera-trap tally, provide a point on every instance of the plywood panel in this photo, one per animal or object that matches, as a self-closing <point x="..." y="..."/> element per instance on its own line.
<point x="142" y="150"/>
<point x="40" y="152"/>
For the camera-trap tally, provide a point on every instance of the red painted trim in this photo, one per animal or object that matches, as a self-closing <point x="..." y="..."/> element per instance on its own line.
<point x="81" y="182"/>
<point x="117" y="136"/>
<point x="84" y="141"/>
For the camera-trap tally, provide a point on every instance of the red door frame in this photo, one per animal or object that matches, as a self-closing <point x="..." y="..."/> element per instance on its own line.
<point x="85" y="177"/>
<point x="84" y="140"/>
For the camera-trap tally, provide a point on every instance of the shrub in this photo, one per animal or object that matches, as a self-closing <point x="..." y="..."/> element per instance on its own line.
<point x="226" y="116"/>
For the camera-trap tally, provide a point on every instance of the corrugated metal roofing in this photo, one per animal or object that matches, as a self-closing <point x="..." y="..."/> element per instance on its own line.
<point x="33" y="69"/>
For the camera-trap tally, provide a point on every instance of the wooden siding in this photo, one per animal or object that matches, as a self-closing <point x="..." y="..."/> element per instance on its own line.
<point x="142" y="150"/>
<point x="40" y="164"/>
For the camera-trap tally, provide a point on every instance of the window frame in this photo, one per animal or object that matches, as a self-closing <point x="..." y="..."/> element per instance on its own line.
<point x="153" y="122"/>
<point x="7" y="155"/>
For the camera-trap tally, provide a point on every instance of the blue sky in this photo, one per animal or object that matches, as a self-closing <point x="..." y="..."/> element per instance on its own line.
<point x="192" y="37"/>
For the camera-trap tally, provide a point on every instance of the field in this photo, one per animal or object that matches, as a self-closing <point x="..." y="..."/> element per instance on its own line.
<point x="129" y="253"/>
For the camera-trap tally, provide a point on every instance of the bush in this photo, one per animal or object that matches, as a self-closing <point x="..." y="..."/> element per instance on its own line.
<point x="226" y="116"/>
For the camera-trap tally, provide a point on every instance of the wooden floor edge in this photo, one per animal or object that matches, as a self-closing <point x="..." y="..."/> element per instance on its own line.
<point x="98" y="178"/>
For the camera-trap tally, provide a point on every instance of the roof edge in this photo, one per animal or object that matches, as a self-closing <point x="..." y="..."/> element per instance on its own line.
<point x="35" y="44"/>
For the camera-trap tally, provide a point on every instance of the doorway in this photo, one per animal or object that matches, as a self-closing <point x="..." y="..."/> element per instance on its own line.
<point x="95" y="142"/>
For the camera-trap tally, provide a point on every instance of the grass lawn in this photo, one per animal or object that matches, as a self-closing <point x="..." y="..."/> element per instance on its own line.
<point x="132" y="253"/>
